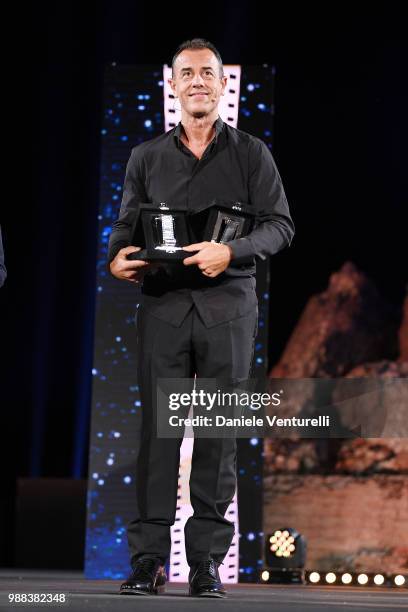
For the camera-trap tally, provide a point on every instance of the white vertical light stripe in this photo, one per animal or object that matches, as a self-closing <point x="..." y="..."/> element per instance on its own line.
<point x="229" y="571"/>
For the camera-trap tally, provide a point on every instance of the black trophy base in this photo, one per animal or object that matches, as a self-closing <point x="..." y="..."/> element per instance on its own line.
<point x="160" y="256"/>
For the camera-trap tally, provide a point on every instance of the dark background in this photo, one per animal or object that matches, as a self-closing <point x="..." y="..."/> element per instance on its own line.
<point x="339" y="143"/>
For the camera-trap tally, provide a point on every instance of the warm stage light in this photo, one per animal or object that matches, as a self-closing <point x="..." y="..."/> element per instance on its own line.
<point x="346" y="578"/>
<point x="362" y="579"/>
<point x="282" y="544"/>
<point x="330" y="578"/>
<point x="265" y="575"/>
<point x="285" y="556"/>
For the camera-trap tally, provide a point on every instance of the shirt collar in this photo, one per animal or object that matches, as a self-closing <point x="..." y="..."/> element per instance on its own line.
<point x="218" y="124"/>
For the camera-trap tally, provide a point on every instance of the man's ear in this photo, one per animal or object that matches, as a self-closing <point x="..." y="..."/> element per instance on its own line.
<point x="172" y="85"/>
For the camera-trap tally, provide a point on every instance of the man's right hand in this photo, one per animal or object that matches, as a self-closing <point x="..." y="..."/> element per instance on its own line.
<point x="125" y="269"/>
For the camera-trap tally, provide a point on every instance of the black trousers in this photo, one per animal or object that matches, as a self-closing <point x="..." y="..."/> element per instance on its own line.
<point x="165" y="351"/>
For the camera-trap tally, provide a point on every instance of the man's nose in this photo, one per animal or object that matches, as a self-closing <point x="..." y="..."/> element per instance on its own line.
<point x="198" y="79"/>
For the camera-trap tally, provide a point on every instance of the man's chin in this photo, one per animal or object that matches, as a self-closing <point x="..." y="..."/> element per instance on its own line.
<point x="199" y="114"/>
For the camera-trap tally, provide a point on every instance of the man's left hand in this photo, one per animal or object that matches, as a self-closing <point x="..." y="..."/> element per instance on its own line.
<point x="212" y="258"/>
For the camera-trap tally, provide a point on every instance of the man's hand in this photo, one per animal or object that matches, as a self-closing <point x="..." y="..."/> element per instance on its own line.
<point x="212" y="259"/>
<point x="132" y="271"/>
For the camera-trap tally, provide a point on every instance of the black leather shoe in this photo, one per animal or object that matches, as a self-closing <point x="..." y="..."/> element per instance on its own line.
<point x="148" y="577"/>
<point x="204" y="580"/>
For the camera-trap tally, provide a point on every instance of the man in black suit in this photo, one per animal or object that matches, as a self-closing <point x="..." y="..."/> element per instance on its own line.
<point x="197" y="317"/>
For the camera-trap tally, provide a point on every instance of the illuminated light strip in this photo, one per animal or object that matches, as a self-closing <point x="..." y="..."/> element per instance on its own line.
<point x="228" y="107"/>
<point x="360" y="579"/>
<point x="179" y="568"/>
<point x="178" y="564"/>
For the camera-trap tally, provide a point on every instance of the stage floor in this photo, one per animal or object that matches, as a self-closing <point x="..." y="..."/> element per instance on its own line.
<point x="102" y="595"/>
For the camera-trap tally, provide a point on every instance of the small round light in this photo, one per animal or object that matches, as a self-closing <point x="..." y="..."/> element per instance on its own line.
<point x="274" y="547"/>
<point x="330" y="577"/>
<point x="286" y="533"/>
<point x="399" y="580"/>
<point x="346" y="578"/>
<point x="362" y="579"/>
<point x="292" y="547"/>
<point x="278" y="534"/>
<point x="265" y="575"/>
<point x="279" y="553"/>
<point x="272" y="539"/>
<point x="379" y="579"/>
<point x="314" y="577"/>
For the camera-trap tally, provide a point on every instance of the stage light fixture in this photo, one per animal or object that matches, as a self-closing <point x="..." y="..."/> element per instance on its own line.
<point x="347" y="578"/>
<point x="362" y="579"/>
<point x="285" y="556"/>
<point x="330" y="578"/>
<point x="399" y="580"/>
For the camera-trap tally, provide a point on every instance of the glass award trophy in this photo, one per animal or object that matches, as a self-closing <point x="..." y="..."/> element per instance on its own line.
<point x="161" y="232"/>
<point x="222" y="221"/>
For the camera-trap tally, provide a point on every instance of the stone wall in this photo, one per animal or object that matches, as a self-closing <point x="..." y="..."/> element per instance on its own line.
<point x="348" y="497"/>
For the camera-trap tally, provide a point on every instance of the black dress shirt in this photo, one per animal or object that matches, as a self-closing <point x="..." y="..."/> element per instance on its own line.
<point x="235" y="166"/>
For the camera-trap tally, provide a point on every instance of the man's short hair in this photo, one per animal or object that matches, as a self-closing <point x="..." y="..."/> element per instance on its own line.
<point x="197" y="43"/>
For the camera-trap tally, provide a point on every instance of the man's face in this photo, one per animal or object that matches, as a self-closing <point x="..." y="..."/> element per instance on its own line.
<point x="197" y="81"/>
